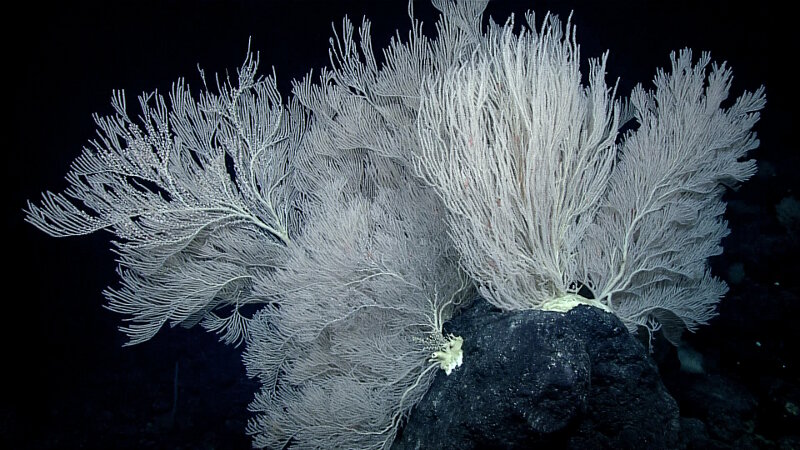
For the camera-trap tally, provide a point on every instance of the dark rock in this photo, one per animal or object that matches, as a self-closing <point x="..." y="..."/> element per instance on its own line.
<point x="545" y="379"/>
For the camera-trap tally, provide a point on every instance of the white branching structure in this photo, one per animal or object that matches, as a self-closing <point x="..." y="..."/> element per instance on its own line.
<point x="520" y="151"/>
<point x="542" y="201"/>
<point x="646" y="252"/>
<point x="357" y="216"/>
<point x="365" y="290"/>
<point x="350" y="350"/>
<point x="311" y="212"/>
<point x="199" y="195"/>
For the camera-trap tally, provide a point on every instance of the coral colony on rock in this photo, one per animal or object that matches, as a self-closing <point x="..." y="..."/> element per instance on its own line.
<point x="333" y="233"/>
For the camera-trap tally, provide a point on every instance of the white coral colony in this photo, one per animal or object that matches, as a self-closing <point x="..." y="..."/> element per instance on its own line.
<point x="358" y="215"/>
